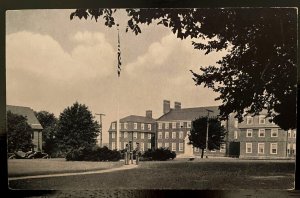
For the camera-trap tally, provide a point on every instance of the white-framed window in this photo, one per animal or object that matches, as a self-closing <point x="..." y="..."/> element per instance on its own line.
<point x="159" y="145"/>
<point x="149" y="145"/>
<point x="189" y="124"/>
<point x="261" y="119"/>
<point x="125" y="125"/>
<point x="274" y="133"/>
<point x="261" y="133"/>
<point x="248" y="147"/>
<point x="113" y="135"/>
<point x="143" y="126"/>
<point x="249" y="120"/>
<point x="173" y="146"/>
<point x="222" y="148"/>
<point x="159" y="135"/>
<point x="181" y="124"/>
<point x="149" y="126"/>
<point x="235" y="135"/>
<point x="142" y="135"/>
<point x="288" y="148"/>
<point x="173" y="125"/>
<point x="167" y="145"/>
<point x="166" y="125"/>
<point x="135" y="135"/>
<point x="249" y="133"/>
<point x="159" y="125"/>
<point x="134" y="125"/>
<point x="180" y="146"/>
<point x="120" y="125"/>
<point x="236" y="123"/>
<point x="294" y="148"/>
<point x="261" y="148"/>
<point x="294" y="133"/>
<point x="125" y="134"/>
<point x="142" y="146"/>
<point x="113" y="126"/>
<point x="289" y="133"/>
<point x="113" y="145"/>
<point x="273" y="148"/>
<point x="196" y="149"/>
<point x="149" y="136"/>
<point x="166" y="135"/>
<point x="180" y="134"/>
<point x="173" y="135"/>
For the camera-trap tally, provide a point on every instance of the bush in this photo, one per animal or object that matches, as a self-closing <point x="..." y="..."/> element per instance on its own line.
<point x="93" y="154"/>
<point x="160" y="154"/>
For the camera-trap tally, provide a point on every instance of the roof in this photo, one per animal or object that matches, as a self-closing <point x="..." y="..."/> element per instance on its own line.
<point x="135" y="118"/>
<point x="26" y="112"/>
<point x="189" y="113"/>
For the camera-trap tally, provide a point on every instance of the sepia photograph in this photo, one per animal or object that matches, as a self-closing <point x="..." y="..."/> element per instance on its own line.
<point x="151" y="98"/>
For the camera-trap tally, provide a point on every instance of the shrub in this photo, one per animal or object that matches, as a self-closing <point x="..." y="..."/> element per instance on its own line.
<point x="160" y="154"/>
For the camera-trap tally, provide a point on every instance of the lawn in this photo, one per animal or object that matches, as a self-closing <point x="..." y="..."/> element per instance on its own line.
<point x="25" y="167"/>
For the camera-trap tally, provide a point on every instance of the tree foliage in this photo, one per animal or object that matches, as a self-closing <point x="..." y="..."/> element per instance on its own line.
<point x="19" y="133"/>
<point x="216" y="133"/>
<point x="76" y="128"/>
<point x="258" y="73"/>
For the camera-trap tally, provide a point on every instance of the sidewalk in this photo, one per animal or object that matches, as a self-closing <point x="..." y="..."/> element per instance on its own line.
<point x="124" y="167"/>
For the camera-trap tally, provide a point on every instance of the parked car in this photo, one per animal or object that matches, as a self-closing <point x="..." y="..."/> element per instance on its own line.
<point x="28" y="155"/>
<point x="38" y="154"/>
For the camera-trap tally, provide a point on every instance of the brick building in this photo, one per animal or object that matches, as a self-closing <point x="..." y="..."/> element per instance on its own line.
<point x="134" y="128"/>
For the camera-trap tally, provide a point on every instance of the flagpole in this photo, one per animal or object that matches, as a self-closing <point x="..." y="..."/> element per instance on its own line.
<point x="118" y="93"/>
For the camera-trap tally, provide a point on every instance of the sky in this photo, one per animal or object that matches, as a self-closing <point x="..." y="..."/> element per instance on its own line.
<point x="52" y="62"/>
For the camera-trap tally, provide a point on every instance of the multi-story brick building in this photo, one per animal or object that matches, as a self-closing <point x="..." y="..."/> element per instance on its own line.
<point x="138" y="129"/>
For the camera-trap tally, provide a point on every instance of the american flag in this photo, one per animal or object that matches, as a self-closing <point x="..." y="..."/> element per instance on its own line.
<point x="119" y="56"/>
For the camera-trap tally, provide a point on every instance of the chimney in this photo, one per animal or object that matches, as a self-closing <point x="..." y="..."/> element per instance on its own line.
<point x="177" y="105"/>
<point x="166" y="106"/>
<point x="149" y="114"/>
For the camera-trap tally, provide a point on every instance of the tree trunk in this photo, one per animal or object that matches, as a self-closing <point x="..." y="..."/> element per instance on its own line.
<point x="202" y="153"/>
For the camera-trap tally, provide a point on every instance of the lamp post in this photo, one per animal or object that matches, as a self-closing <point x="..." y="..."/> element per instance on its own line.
<point x="207" y="126"/>
<point x="100" y="115"/>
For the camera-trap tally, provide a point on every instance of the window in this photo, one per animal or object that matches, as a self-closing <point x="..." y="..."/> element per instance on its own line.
<point x="134" y="135"/>
<point x="261" y="133"/>
<point x="189" y="124"/>
<point x="159" y="136"/>
<point x="294" y="148"/>
<point x="273" y="148"/>
<point x="142" y="147"/>
<point x="113" y="135"/>
<point x="180" y="146"/>
<point x="196" y="149"/>
<point x="274" y="133"/>
<point x="181" y="124"/>
<point x="142" y="136"/>
<point x="166" y="125"/>
<point x="236" y="123"/>
<point x="160" y="125"/>
<point x="173" y="125"/>
<point x="294" y="133"/>
<point x="149" y="136"/>
<point x="288" y="148"/>
<point x="159" y="145"/>
<point x="126" y="125"/>
<point x="248" y="147"/>
<point x="167" y="145"/>
<point x="249" y="120"/>
<point x="149" y="145"/>
<point x="143" y="126"/>
<point x="113" y="126"/>
<point x="262" y="119"/>
<point x="149" y="126"/>
<point x="249" y="133"/>
<point x="166" y="135"/>
<point x="261" y="148"/>
<point x="134" y="125"/>
<point x="113" y="145"/>
<point x="125" y="135"/>
<point x="222" y="148"/>
<point x="181" y="135"/>
<point x="289" y="133"/>
<point x="173" y="135"/>
<point x="173" y="146"/>
<point x="120" y="125"/>
<point x="235" y="135"/>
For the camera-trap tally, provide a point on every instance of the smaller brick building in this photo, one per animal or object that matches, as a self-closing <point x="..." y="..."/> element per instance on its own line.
<point x="138" y="129"/>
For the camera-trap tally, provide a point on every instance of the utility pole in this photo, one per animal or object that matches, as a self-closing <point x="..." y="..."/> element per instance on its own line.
<point x="207" y="126"/>
<point x="100" y="115"/>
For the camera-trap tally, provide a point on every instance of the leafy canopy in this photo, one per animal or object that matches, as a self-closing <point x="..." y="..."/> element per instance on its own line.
<point x="258" y="73"/>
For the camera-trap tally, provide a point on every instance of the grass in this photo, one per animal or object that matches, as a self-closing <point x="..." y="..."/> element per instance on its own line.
<point x="25" y="167"/>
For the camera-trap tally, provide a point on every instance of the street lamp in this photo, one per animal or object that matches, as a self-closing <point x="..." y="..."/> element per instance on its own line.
<point x="207" y="124"/>
<point x="100" y="114"/>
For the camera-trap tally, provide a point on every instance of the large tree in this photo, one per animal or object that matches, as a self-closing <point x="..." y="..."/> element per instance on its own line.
<point x="19" y="133"/>
<point x="258" y="73"/>
<point x="49" y="123"/>
<point x="77" y="128"/>
<point x="198" y="134"/>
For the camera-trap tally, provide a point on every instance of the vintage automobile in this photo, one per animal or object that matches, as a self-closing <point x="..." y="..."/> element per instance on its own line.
<point x="28" y="155"/>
